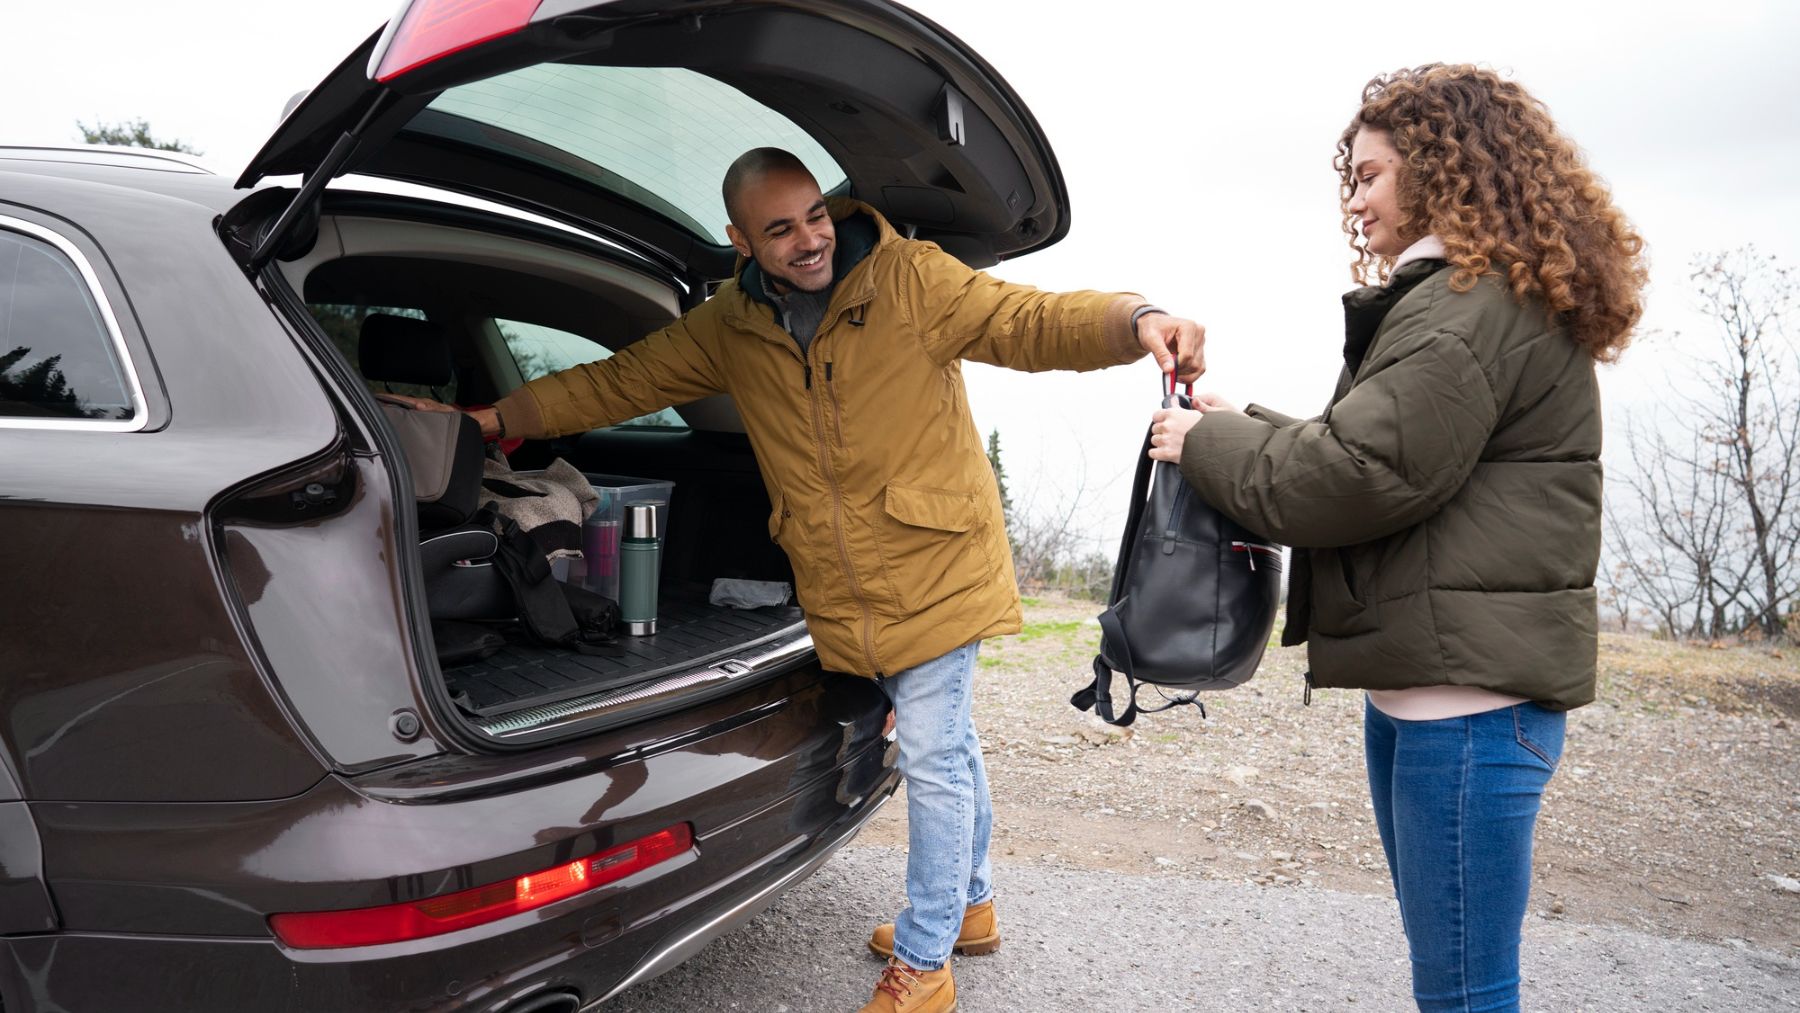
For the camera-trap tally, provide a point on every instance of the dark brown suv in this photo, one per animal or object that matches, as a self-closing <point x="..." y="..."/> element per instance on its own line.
<point x="236" y="776"/>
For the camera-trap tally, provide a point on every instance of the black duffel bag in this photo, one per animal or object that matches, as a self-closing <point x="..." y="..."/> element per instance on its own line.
<point x="1193" y="596"/>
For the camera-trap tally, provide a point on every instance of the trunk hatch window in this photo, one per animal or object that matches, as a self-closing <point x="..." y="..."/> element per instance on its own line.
<point x="659" y="136"/>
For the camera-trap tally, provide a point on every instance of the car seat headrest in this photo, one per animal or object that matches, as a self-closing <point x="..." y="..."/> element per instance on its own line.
<point x="394" y="349"/>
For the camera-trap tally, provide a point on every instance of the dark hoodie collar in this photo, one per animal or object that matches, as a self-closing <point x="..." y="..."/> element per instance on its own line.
<point x="1365" y="308"/>
<point x="857" y="234"/>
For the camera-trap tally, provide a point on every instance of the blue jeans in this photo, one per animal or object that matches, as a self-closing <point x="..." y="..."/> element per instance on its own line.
<point x="1457" y="802"/>
<point x="948" y="817"/>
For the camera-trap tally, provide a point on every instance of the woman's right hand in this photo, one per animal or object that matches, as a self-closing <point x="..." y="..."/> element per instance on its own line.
<point x="1211" y="402"/>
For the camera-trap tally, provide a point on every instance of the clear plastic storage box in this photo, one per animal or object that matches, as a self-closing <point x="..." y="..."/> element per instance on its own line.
<point x="600" y="534"/>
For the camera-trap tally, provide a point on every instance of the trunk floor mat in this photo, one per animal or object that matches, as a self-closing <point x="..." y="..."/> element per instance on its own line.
<point x="689" y="631"/>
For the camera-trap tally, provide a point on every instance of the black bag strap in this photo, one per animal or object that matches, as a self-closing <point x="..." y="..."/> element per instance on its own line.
<point x="1097" y="696"/>
<point x="543" y="608"/>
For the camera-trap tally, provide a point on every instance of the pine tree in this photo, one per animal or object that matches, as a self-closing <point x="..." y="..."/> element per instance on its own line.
<point x="41" y="387"/>
<point x="993" y="455"/>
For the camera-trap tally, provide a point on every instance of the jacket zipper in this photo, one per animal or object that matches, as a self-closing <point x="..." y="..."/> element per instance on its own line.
<point x="837" y="413"/>
<point x="837" y="525"/>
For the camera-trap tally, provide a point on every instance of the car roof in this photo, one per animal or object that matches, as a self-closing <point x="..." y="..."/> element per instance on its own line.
<point x="107" y="154"/>
<point x="185" y="178"/>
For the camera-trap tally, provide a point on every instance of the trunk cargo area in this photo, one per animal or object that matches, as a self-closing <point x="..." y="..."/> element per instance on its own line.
<point x="690" y="633"/>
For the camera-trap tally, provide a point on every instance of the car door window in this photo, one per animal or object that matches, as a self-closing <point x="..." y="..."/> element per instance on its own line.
<point x="540" y="351"/>
<point x="60" y="356"/>
<point x="343" y="324"/>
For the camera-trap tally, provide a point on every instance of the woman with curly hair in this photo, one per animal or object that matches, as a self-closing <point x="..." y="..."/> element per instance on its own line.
<point x="1445" y="508"/>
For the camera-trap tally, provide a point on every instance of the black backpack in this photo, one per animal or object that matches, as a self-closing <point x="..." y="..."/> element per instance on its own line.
<point x="1193" y="596"/>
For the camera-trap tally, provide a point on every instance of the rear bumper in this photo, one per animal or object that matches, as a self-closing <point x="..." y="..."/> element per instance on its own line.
<point x="148" y="935"/>
<point x="802" y="863"/>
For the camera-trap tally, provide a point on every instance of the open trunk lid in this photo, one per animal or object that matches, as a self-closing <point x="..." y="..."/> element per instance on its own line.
<point x="621" y="117"/>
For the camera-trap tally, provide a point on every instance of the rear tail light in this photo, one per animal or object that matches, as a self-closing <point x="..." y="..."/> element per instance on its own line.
<point x="429" y="30"/>
<point x="392" y="923"/>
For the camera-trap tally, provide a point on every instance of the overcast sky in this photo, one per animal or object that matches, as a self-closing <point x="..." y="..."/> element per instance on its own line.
<point x="1196" y="140"/>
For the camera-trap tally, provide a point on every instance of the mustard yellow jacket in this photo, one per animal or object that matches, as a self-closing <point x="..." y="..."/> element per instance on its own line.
<point x="883" y="497"/>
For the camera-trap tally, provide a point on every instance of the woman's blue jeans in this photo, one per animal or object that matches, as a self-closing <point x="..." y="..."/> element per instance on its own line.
<point x="1456" y="801"/>
<point x="948" y="816"/>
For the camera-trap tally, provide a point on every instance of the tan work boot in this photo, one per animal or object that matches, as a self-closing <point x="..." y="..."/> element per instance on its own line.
<point x="904" y="989"/>
<point x="980" y="933"/>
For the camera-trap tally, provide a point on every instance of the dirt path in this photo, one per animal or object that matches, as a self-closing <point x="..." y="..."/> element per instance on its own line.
<point x="1676" y="809"/>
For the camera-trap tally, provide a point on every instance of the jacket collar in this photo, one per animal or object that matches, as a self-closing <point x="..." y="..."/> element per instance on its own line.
<point x="860" y="228"/>
<point x="1365" y="308"/>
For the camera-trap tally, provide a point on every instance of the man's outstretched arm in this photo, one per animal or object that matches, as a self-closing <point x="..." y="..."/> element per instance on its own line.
<point x="968" y="314"/>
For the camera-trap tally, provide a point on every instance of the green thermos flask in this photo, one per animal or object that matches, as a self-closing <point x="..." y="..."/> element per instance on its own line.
<point x="640" y="561"/>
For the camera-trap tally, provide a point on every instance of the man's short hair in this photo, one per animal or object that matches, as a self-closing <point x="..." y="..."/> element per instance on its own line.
<point x="750" y="166"/>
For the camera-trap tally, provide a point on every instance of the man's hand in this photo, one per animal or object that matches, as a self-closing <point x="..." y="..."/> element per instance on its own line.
<point x="1176" y="343"/>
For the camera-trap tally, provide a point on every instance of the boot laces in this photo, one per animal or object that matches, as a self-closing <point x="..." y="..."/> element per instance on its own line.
<point x="897" y="980"/>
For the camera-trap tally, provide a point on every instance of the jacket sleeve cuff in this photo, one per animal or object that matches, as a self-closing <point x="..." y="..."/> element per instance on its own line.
<point x="1270" y="416"/>
<point x="1115" y="326"/>
<point x="524" y="419"/>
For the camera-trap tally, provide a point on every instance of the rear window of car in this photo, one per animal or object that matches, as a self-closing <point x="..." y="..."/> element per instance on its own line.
<point x="661" y="136"/>
<point x="540" y="351"/>
<point x="59" y="358"/>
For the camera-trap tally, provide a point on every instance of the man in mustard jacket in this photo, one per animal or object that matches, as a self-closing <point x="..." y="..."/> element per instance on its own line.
<point x="841" y="343"/>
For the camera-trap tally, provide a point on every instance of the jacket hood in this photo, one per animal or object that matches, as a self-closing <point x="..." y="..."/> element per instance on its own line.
<point x="860" y="228"/>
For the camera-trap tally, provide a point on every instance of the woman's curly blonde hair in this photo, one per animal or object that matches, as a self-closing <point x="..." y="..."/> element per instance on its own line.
<point x="1485" y="170"/>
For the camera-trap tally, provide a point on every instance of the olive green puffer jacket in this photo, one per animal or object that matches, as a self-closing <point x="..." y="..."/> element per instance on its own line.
<point x="1446" y="507"/>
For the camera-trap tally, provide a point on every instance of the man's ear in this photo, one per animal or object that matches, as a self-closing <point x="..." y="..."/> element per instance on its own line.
<point x="739" y="241"/>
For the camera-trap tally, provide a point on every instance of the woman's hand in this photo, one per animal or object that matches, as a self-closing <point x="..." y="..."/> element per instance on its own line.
<point x="1169" y="426"/>
<point x="1168" y="429"/>
<point x="1211" y="402"/>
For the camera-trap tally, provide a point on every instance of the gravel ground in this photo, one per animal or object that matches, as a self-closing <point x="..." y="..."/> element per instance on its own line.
<point x="1081" y="939"/>
<point x="1233" y="863"/>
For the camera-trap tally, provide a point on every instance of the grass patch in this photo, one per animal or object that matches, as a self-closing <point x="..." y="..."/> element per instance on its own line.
<point x="1659" y="675"/>
<point x="1031" y="602"/>
<point x="1050" y="627"/>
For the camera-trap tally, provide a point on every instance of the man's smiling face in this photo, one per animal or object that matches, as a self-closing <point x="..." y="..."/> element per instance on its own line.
<point x="786" y="229"/>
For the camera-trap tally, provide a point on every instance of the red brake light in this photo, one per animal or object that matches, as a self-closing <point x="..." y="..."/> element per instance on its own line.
<point x="431" y="29"/>
<point x="392" y="923"/>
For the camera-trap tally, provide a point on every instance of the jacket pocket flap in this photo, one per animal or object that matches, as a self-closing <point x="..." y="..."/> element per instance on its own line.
<point x="931" y="508"/>
<point x="775" y="512"/>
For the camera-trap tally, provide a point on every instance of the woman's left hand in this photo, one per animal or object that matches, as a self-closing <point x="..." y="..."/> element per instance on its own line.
<point x="1168" y="430"/>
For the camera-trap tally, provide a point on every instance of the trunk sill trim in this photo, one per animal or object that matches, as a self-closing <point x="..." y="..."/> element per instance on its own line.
<point x="778" y="650"/>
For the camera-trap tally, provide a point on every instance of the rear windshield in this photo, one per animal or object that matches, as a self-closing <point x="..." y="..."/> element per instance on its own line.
<point x="660" y="136"/>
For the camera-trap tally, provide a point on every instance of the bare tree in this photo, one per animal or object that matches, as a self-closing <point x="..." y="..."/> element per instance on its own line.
<point x="1053" y="545"/>
<point x="1711" y="549"/>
